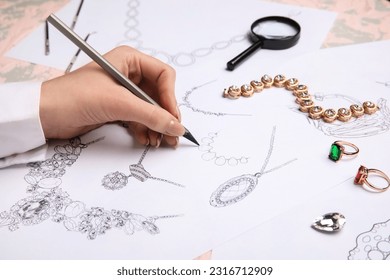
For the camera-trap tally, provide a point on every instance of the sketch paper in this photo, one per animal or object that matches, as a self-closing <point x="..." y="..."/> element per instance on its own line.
<point x="105" y="197"/>
<point x="360" y="73"/>
<point x="206" y="30"/>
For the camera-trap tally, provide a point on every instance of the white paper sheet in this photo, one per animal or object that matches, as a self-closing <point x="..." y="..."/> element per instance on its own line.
<point x="177" y="32"/>
<point x="248" y="139"/>
<point x="360" y="73"/>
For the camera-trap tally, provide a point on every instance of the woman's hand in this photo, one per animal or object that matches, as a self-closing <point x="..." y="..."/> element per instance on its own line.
<point x="88" y="97"/>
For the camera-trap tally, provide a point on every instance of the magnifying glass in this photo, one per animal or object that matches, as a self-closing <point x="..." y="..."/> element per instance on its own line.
<point x="272" y="33"/>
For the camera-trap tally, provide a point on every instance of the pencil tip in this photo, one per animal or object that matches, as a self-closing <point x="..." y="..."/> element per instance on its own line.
<point x="189" y="136"/>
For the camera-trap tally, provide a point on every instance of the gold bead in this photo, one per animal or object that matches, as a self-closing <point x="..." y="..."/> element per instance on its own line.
<point x="344" y="114"/>
<point x="300" y="88"/>
<point x="329" y="115"/>
<point x="233" y="92"/>
<point x="304" y="95"/>
<point x="291" y="83"/>
<point x="257" y="86"/>
<point x="267" y="81"/>
<point x="357" y="110"/>
<point x="279" y="81"/>
<point x="315" y="112"/>
<point x="247" y="90"/>
<point x="369" y="107"/>
<point x="305" y="105"/>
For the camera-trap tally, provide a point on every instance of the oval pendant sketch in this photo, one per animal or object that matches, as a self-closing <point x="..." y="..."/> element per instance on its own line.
<point x="238" y="188"/>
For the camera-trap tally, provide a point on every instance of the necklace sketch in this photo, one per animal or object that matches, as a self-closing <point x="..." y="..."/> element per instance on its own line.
<point x="133" y="34"/>
<point x="187" y="103"/>
<point x="209" y="154"/>
<point x="237" y="188"/>
<point x="365" y="126"/>
<point x="117" y="180"/>
<point x="48" y="201"/>
<point x="373" y="244"/>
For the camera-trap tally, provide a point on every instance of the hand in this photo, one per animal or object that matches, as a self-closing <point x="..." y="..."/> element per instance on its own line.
<point x="88" y="97"/>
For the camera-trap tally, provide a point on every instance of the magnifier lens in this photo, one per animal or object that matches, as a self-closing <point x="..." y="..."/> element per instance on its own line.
<point x="273" y="33"/>
<point x="273" y="29"/>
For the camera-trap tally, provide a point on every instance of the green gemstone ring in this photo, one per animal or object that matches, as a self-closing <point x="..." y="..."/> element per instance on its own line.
<point x="338" y="150"/>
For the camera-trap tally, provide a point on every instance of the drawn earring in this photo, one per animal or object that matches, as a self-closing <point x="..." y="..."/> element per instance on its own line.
<point x="362" y="175"/>
<point x="337" y="150"/>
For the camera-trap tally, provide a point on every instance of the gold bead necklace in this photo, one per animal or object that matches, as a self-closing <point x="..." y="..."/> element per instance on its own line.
<point x="302" y="98"/>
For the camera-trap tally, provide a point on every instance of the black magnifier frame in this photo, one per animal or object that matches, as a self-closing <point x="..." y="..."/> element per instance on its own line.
<point x="271" y="42"/>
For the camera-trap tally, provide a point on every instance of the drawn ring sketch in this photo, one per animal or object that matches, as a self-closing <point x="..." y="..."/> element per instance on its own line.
<point x="209" y="153"/>
<point x="238" y="188"/>
<point x="187" y="103"/>
<point x="365" y="126"/>
<point x="47" y="201"/>
<point x="373" y="244"/>
<point x="117" y="180"/>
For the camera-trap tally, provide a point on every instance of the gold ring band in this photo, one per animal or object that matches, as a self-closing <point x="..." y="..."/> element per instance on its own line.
<point x="362" y="175"/>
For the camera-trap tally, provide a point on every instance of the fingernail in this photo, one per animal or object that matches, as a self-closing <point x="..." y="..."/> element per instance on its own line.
<point x="159" y="139"/>
<point x="178" y="113"/>
<point x="177" y="142"/>
<point x="175" y="128"/>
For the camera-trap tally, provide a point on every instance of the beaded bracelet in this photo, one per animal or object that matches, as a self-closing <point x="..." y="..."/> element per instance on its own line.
<point x="303" y="98"/>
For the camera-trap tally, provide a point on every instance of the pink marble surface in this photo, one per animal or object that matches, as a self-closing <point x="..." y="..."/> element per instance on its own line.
<point x="358" y="21"/>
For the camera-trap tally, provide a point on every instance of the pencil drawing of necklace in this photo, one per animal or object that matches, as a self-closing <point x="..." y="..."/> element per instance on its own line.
<point x="47" y="201"/>
<point x="117" y="180"/>
<point x="237" y="188"/>
<point x="132" y="37"/>
<point x="187" y="103"/>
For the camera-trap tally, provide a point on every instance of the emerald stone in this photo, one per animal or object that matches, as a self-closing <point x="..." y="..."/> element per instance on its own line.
<point x="335" y="152"/>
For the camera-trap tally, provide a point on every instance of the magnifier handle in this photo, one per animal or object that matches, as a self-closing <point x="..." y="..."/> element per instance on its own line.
<point x="244" y="55"/>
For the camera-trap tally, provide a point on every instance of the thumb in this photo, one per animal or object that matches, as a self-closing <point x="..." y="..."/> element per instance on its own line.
<point x="154" y="117"/>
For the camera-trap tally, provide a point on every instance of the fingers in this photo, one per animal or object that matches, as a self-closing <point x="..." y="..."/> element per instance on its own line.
<point x="146" y="136"/>
<point x="156" y="78"/>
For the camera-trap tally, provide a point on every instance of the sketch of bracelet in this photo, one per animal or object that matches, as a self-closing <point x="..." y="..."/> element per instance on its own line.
<point x="209" y="154"/>
<point x="48" y="201"/>
<point x="373" y="244"/>
<point x="237" y="188"/>
<point x="187" y="103"/>
<point x="117" y="180"/>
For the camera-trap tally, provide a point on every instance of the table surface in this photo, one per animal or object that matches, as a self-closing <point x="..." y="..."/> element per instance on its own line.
<point x="358" y="21"/>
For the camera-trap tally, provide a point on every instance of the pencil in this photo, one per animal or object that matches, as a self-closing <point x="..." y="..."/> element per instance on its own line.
<point x="72" y="62"/>
<point x="107" y="66"/>
<point x="76" y="16"/>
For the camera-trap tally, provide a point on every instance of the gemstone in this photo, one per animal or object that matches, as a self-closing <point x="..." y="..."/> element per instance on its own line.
<point x="335" y="152"/>
<point x="330" y="222"/>
<point x="360" y="176"/>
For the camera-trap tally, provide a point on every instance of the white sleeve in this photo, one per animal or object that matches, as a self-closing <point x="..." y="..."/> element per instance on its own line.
<point x="21" y="135"/>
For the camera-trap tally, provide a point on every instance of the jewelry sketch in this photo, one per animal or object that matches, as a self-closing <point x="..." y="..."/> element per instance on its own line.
<point x="133" y="34"/>
<point x="373" y="244"/>
<point x="183" y="59"/>
<point x="237" y="188"/>
<point x="210" y="154"/>
<point x="365" y="126"/>
<point x="48" y="201"/>
<point x="187" y="103"/>
<point x="117" y="180"/>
